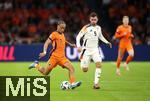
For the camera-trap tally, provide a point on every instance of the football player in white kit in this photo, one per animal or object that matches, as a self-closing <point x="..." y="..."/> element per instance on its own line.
<point x="91" y="33"/>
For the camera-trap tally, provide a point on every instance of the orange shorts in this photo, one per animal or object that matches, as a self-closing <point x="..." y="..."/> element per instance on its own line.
<point x="54" y="61"/>
<point x="127" y="47"/>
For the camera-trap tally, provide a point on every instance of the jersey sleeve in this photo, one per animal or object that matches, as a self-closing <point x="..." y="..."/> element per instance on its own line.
<point x="101" y="37"/>
<point x="82" y="32"/>
<point x="52" y="36"/>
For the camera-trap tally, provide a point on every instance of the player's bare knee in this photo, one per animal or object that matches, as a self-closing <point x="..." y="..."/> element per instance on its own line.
<point x="98" y="65"/>
<point x="131" y="53"/>
<point x="120" y="55"/>
<point x="84" y="69"/>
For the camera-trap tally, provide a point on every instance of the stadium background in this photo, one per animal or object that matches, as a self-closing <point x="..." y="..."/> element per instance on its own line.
<point x="31" y="21"/>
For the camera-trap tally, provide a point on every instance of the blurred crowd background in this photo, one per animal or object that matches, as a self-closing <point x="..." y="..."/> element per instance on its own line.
<point x="31" y="21"/>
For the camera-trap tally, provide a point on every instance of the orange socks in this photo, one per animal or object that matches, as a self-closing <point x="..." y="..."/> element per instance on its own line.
<point x="129" y="58"/>
<point x="118" y="62"/>
<point x="72" y="79"/>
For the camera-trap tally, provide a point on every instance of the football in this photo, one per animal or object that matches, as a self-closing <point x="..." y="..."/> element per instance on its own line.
<point x="65" y="85"/>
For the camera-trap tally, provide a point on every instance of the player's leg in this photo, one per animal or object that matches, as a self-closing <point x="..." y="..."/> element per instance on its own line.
<point x="71" y="71"/>
<point x="85" y="61"/>
<point x="44" y="70"/>
<point x="121" y="52"/>
<point x="65" y="63"/>
<point x="130" y="51"/>
<point x="97" y="59"/>
<point x="130" y="57"/>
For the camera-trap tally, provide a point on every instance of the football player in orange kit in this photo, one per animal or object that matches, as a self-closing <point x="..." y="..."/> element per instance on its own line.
<point x="57" y="56"/>
<point x="124" y="34"/>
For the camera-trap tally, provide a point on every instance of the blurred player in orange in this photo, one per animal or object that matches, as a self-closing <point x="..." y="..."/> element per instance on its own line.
<point x="57" y="56"/>
<point x="124" y="34"/>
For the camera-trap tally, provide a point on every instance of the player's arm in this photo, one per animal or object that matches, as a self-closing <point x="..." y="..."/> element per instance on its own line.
<point x="46" y="44"/>
<point x="78" y="38"/>
<point x="72" y="45"/>
<point x="45" y="47"/>
<point x="102" y="38"/>
<point x="49" y="40"/>
<point x="118" y="35"/>
<point x="132" y="36"/>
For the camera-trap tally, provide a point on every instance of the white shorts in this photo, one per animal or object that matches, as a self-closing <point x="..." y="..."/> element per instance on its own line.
<point x="88" y="55"/>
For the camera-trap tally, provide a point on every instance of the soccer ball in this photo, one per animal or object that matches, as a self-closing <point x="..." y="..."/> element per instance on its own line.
<point x="65" y="85"/>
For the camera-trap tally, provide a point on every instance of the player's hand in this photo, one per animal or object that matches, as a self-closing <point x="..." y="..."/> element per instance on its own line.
<point x="131" y="36"/>
<point x="42" y="55"/>
<point x="114" y="38"/>
<point x="110" y="45"/>
<point x="79" y="49"/>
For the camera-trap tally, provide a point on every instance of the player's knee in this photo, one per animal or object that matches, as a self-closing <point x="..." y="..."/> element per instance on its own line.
<point x="84" y="69"/>
<point x="120" y="55"/>
<point x="131" y="54"/>
<point x="98" y="65"/>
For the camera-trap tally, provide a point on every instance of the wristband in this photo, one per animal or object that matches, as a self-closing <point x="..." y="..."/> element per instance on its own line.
<point x="44" y="52"/>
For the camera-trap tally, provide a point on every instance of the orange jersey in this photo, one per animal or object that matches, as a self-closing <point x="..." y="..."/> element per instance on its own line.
<point x="124" y="34"/>
<point x="58" y="43"/>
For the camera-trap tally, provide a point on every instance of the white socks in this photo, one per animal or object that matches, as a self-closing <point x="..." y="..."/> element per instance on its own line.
<point x="97" y="75"/>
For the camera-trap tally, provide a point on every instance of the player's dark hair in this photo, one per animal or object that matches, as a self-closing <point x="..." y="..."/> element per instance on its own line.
<point x="93" y="14"/>
<point x="61" y="22"/>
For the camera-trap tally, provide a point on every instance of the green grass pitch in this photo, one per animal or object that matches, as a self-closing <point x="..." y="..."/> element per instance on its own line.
<point x="133" y="85"/>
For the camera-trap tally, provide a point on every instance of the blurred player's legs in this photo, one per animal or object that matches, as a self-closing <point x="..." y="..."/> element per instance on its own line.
<point x="119" y="59"/>
<point x="97" y="75"/>
<point x="97" y="59"/>
<point x="121" y="52"/>
<point x="85" y="61"/>
<point x="52" y="63"/>
<point x="130" y="57"/>
<point x="71" y="70"/>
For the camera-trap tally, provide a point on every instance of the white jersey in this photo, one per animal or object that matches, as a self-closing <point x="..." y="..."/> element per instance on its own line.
<point x="91" y="35"/>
